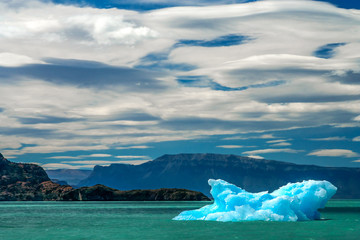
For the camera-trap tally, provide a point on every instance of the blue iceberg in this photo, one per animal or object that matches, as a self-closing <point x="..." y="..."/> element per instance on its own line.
<point x="292" y="202"/>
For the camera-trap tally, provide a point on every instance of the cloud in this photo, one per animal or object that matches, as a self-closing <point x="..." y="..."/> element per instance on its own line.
<point x="73" y="32"/>
<point x="63" y="157"/>
<point x="356" y="139"/>
<point x="101" y="155"/>
<point x="98" y="155"/>
<point x="235" y="138"/>
<point x="271" y="150"/>
<point x="53" y="166"/>
<point x="230" y="146"/>
<point x="255" y="156"/>
<point x="263" y="136"/>
<point x="334" y="153"/>
<point x="242" y="125"/>
<point x="106" y="163"/>
<point x="103" y="27"/>
<point x="205" y="82"/>
<point x="86" y="164"/>
<point x="15" y="60"/>
<point x="133" y="157"/>
<point x="104" y="30"/>
<point x="329" y="139"/>
<point x="101" y="79"/>
<point x="144" y="5"/>
<point x="266" y="136"/>
<point x="276" y="141"/>
<point x="54" y="149"/>
<point x="222" y="41"/>
<point x="134" y="147"/>
<point x="86" y="74"/>
<point x="281" y="144"/>
<point x="95" y="155"/>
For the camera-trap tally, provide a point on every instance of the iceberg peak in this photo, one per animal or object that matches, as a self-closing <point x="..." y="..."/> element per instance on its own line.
<point x="293" y="202"/>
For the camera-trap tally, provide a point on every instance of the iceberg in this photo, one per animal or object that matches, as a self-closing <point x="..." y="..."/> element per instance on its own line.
<point x="293" y="202"/>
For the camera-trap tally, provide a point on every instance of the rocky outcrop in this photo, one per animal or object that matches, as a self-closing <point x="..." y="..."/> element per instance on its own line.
<point x="20" y="181"/>
<point x="29" y="182"/>
<point x="11" y="173"/>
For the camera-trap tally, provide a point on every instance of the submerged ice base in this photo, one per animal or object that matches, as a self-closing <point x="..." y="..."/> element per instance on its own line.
<point x="292" y="202"/>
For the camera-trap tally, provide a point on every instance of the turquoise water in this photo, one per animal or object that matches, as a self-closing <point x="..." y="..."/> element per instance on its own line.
<point x="152" y="220"/>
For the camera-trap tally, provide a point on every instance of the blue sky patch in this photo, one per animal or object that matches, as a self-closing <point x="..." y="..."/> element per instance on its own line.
<point x="222" y="41"/>
<point x="204" y="81"/>
<point x="328" y="50"/>
<point x="120" y="4"/>
<point x="158" y="61"/>
<point x="348" y="4"/>
<point x="141" y="5"/>
<point x="47" y="119"/>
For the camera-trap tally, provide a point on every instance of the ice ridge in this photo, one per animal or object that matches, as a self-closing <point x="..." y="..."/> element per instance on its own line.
<point x="293" y="202"/>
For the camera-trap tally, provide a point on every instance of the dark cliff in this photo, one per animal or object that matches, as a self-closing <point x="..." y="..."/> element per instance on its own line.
<point x="192" y="171"/>
<point x="21" y="181"/>
<point x="14" y="172"/>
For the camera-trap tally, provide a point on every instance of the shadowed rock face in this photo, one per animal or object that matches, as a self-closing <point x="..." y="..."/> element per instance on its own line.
<point x="14" y="172"/>
<point x="22" y="182"/>
<point x="192" y="171"/>
<point x="29" y="182"/>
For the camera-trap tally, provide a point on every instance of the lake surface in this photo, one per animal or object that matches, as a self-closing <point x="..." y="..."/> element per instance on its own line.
<point x="152" y="220"/>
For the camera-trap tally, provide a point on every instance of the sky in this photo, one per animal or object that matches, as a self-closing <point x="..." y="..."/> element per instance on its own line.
<point x="85" y="82"/>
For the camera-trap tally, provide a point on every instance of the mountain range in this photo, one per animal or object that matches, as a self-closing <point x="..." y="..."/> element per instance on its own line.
<point x="29" y="182"/>
<point x="192" y="171"/>
<point x="68" y="176"/>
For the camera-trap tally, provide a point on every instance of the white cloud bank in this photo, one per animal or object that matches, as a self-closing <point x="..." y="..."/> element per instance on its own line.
<point x="313" y="91"/>
<point x="281" y="144"/>
<point x="329" y="139"/>
<point x="334" y="153"/>
<point x="271" y="150"/>
<point x="14" y="60"/>
<point x="230" y="146"/>
<point x="255" y="156"/>
<point x="87" y="164"/>
<point x="59" y="23"/>
<point x="59" y="31"/>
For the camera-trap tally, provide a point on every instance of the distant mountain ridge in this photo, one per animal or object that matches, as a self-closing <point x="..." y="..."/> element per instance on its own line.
<point x="29" y="182"/>
<point x="191" y="171"/>
<point x="71" y="176"/>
